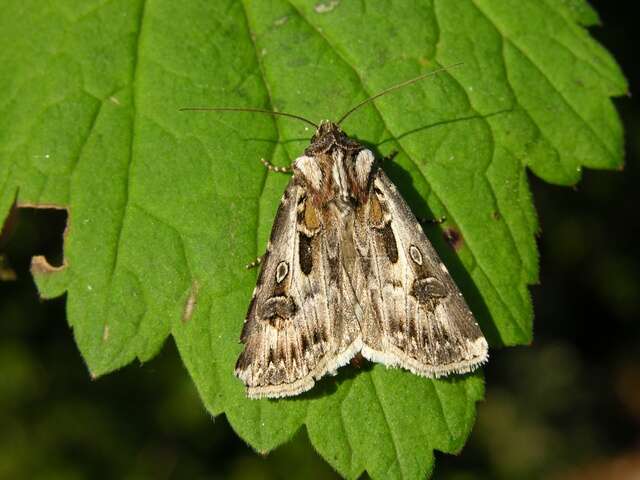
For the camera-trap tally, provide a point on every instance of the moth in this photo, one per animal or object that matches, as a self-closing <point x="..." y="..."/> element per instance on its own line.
<point x="348" y="270"/>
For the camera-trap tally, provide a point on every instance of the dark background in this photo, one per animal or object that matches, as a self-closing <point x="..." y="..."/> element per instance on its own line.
<point x="567" y="407"/>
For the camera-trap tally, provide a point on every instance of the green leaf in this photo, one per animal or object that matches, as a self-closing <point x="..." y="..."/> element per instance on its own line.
<point x="165" y="207"/>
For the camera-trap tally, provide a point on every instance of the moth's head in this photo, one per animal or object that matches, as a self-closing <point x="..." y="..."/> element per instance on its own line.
<point x="328" y="136"/>
<point x="327" y="129"/>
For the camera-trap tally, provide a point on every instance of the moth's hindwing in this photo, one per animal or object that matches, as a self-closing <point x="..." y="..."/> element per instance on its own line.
<point x="298" y="326"/>
<point x="415" y="316"/>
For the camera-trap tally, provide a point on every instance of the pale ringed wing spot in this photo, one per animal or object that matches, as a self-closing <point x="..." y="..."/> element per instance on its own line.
<point x="416" y="256"/>
<point x="281" y="271"/>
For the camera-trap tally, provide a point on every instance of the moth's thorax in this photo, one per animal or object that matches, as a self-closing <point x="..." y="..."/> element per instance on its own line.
<point x="328" y="137"/>
<point x="335" y="168"/>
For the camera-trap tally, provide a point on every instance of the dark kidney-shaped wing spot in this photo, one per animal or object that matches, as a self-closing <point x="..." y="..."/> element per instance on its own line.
<point x="306" y="257"/>
<point x="281" y="271"/>
<point x="278" y="309"/>
<point x="428" y="290"/>
<point x="389" y="242"/>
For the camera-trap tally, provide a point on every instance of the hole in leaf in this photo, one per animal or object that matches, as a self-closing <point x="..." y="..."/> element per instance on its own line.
<point x="34" y="231"/>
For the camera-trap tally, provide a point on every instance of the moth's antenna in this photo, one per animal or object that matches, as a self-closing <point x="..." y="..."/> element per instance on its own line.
<point x="395" y="87"/>
<point x="240" y="109"/>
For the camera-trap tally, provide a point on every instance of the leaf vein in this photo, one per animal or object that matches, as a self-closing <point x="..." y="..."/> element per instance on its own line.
<point x="343" y="57"/>
<point x="127" y="182"/>
<point x="562" y="96"/>
<point x="263" y="77"/>
<point x="389" y="428"/>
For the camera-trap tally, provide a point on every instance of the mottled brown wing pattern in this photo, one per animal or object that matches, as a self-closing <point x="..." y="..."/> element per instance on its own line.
<point x="348" y="269"/>
<point x="298" y="326"/>
<point x="416" y="316"/>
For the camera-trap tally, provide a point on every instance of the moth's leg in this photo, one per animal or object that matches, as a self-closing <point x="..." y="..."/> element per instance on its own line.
<point x="274" y="168"/>
<point x="432" y="221"/>
<point x="254" y="263"/>
<point x="390" y="157"/>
